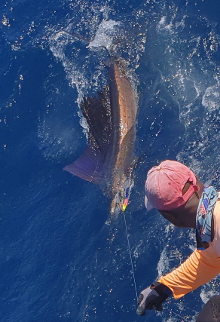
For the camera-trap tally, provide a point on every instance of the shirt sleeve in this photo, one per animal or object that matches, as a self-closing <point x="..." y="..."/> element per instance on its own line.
<point x="200" y="267"/>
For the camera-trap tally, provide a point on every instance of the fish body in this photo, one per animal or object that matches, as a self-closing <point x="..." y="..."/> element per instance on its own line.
<point x="111" y="117"/>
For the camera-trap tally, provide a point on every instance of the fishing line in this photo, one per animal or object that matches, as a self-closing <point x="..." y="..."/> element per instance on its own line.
<point x="129" y="250"/>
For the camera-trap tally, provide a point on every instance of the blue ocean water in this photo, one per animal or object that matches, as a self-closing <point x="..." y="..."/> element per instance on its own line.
<point x="63" y="258"/>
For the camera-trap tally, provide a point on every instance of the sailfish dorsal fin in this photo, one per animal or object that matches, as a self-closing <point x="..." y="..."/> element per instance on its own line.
<point x="89" y="166"/>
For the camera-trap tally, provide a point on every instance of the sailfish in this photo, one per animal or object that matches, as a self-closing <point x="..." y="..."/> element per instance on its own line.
<point x="109" y="157"/>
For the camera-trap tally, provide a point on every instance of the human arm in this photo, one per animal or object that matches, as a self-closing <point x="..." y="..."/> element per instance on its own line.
<point x="199" y="268"/>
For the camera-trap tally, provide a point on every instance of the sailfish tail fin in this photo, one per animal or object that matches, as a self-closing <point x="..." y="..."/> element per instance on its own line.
<point x="87" y="167"/>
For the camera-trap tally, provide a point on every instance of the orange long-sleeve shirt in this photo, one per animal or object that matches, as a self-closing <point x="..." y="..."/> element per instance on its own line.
<point x="199" y="268"/>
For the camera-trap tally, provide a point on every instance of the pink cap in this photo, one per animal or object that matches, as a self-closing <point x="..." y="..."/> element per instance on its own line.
<point x="164" y="185"/>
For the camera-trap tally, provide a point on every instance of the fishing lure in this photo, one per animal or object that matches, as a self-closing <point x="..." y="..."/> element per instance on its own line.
<point x="126" y="200"/>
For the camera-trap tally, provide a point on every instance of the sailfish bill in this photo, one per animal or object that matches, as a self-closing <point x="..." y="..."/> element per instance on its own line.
<point x="111" y="117"/>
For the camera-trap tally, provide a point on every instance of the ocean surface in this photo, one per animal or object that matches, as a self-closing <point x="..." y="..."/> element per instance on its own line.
<point x="62" y="256"/>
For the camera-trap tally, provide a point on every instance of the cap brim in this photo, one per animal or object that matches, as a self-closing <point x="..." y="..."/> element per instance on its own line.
<point x="148" y="205"/>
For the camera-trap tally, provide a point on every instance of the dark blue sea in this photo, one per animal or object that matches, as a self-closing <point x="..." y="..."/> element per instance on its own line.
<point x="62" y="256"/>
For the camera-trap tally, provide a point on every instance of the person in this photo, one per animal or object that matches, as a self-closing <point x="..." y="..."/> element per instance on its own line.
<point x="176" y="192"/>
<point x="210" y="311"/>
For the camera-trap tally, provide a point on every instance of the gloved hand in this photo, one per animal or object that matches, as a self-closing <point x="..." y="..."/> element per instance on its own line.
<point x="152" y="297"/>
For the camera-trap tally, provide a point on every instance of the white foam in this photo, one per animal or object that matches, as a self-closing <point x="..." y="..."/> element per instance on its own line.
<point x="164" y="263"/>
<point x="211" y="98"/>
<point x="104" y="34"/>
<point x="210" y="289"/>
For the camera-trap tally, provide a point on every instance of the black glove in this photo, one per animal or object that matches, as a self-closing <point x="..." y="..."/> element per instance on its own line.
<point x="152" y="297"/>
